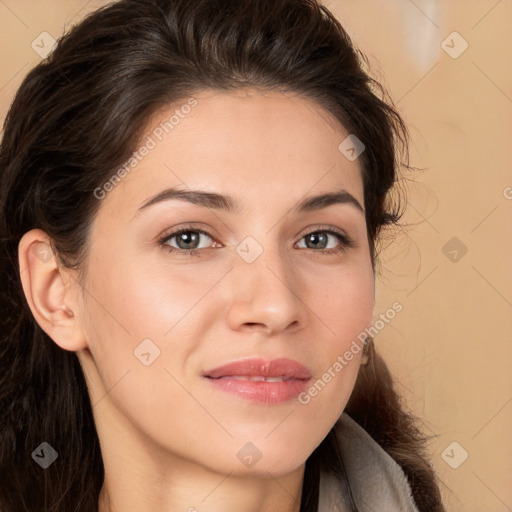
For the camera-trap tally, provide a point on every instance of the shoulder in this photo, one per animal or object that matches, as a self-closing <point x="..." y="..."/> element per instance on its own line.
<point x="377" y="482"/>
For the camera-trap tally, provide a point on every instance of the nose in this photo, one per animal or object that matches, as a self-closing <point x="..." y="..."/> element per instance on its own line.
<point x="266" y="295"/>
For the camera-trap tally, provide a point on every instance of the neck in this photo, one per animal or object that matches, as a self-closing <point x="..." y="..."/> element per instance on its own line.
<point x="225" y="493"/>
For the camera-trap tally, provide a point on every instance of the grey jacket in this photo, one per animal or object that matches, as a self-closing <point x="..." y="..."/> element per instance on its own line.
<point x="377" y="481"/>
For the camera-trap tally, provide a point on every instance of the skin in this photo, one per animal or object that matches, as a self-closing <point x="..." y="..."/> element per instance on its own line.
<point x="169" y="440"/>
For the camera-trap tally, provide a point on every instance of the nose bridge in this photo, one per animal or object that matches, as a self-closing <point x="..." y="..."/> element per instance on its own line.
<point x="264" y="287"/>
<point x="264" y="263"/>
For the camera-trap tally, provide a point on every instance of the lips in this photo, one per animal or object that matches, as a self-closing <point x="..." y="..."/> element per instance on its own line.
<point x="257" y="380"/>
<point x="253" y="369"/>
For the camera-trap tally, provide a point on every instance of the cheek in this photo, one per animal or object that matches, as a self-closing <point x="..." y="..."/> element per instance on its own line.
<point x="345" y="310"/>
<point x="143" y="321"/>
<point x="344" y="301"/>
<point x="136" y="325"/>
<point x="143" y="302"/>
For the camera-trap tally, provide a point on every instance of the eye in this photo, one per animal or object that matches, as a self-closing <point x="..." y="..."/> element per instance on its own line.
<point x="192" y="241"/>
<point x="327" y="241"/>
<point x="186" y="241"/>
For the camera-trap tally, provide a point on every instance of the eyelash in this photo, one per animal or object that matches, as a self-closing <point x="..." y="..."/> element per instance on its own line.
<point x="345" y="241"/>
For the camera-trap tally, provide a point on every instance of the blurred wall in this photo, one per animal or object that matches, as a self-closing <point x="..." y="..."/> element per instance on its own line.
<point x="447" y="65"/>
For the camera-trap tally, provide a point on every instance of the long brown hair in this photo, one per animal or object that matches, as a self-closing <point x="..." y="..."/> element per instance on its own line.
<point x="77" y="118"/>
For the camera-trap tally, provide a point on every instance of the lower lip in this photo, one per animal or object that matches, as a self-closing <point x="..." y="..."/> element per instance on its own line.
<point x="260" y="391"/>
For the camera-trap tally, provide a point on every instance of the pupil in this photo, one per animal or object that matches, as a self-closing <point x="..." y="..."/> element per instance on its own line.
<point x="315" y="238"/>
<point x="188" y="237"/>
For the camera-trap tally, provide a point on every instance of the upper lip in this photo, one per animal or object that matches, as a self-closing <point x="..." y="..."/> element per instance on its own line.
<point x="283" y="367"/>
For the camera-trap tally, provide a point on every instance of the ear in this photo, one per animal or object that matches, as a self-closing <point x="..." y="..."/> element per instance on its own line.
<point x="51" y="291"/>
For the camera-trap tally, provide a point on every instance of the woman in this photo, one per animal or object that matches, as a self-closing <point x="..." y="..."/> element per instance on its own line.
<point x="192" y="195"/>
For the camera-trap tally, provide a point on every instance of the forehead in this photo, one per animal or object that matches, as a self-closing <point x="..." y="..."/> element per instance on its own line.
<point x="249" y="144"/>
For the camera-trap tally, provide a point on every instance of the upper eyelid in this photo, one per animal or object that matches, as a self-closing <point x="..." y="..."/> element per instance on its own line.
<point x="184" y="229"/>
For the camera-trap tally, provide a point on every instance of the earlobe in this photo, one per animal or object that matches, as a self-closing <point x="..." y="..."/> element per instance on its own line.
<point x="48" y="295"/>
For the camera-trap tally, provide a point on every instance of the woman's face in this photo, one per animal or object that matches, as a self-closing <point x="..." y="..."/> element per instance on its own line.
<point x="268" y="278"/>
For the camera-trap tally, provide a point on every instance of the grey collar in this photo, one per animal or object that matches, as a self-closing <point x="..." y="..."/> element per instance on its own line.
<point x="377" y="482"/>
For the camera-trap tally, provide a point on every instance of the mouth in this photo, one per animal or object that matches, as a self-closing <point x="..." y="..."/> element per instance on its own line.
<point x="257" y="380"/>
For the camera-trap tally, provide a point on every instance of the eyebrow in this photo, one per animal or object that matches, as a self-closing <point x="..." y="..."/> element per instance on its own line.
<point x="227" y="203"/>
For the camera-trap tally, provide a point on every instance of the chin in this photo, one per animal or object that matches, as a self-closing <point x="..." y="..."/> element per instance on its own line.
<point x="260" y="459"/>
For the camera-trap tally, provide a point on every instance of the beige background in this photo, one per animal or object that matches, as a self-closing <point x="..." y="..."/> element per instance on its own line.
<point x="450" y="347"/>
